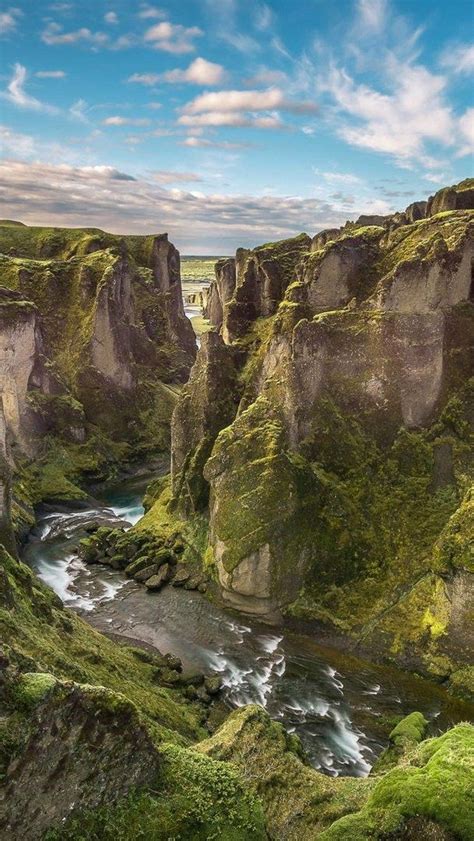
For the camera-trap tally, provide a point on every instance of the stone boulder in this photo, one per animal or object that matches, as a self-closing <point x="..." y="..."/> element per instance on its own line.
<point x="158" y="579"/>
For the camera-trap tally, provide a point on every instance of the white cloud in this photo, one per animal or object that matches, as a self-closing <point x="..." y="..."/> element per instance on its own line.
<point x="439" y="178"/>
<point x="227" y="28"/>
<point x="199" y="72"/>
<point x="9" y="20"/>
<point x="459" y="59"/>
<point x="50" y="74"/>
<point x="40" y="193"/>
<point x="231" y="118"/>
<point x="111" y="18"/>
<point x="144" y="78"/>
<point x="173" y="38"/>
<point x="16" y="94"/>
<point x="338" y="177"/>
<point x="151" y="12"/>
<point x="372" y="14"/>
<point x="203" y="143"/>
<point x="78" y="111"/>
<point x="25" y="146"/>
<point x="12" y="142"/>
<point x="398" y="123"/>
<point x="466" y="127"/>
<point x="125" y="121"/>
<point x="54" y="34"/>
<point x="249" y="108"/>
<point x="102" y="172"/>
<point x="250" y="100"/>
<point x="263" y="17"/>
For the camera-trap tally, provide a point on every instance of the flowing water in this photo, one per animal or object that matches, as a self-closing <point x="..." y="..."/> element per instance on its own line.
<point x="339" y="706"/>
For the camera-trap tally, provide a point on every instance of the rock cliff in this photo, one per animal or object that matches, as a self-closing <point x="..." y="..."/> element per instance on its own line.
<point x="335" y="441"/>
<point x="93" y="342"/>
<point x="93" y="741"/>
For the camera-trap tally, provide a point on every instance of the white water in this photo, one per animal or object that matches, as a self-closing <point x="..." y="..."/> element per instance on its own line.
<point x="335" y="711"/>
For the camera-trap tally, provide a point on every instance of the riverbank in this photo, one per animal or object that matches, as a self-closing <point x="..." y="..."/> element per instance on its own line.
<point x="342" y="708"/>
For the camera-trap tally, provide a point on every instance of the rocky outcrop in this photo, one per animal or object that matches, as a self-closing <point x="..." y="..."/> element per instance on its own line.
<point x="22" y="365"/>
<point x="340" y="271"/>
<point x="458" y="197"/>
<point x="349" y="362"/>
<point x="6" y="531"/>
<point x="220" y="291"/>
<point x="86" y="747"/>
<point x="92" y="334"/>
<point x="262" y="277"/>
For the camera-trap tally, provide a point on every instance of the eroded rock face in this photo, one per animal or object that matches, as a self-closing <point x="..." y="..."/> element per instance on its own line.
<point x="335" y="275"/>
<point x="263" y="276"/>
<point x="220" y="291"/>
<point x="350" y="368"/>
<point x="6" y="533"/>
<point x="207" y="403"/>
<point x="459" y="197"/>
<point x="20" y="349"/>
<point x="434" y="285"/>
<point x="110" y="345"/>
<point x="87" y="749"/>
<point x="91" y="325"/>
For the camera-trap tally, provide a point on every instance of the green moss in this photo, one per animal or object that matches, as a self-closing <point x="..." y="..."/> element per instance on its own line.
<point x="255" y="499"/>
<point x="405" y="735"/>
<point x="435" y="784"/>
<point x="32" y="688"/>
<point x="193" y="798"/>
<point x="455" y="547"/>
<point x="298" y="801"/>
<point x="425" y="240"/>
<point x="410" y="729"/>
<point x="200" y="325"/>
<point x="36" y="629"/>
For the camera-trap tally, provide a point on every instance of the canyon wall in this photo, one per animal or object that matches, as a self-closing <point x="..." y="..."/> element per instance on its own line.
<point x="334" y="455"/>
<point x="93" y="345"/>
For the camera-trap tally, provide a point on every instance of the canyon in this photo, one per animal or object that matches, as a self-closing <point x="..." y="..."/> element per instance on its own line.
<point x="320" y="485"/>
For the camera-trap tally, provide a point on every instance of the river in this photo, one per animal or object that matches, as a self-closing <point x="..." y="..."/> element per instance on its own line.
<point x="341" y="707"/>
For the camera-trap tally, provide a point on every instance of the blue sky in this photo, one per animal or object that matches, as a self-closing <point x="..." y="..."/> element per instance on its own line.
<point x="231" y="122"/>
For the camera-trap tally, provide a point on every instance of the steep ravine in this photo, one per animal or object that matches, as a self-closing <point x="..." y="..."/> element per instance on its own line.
<point x="326" y="434"/>
<point x="320" y="469"/>
<point x="340" y="707"/>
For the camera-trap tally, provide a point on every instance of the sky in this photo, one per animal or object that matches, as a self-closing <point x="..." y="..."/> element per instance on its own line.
<point x="230" y="123"/>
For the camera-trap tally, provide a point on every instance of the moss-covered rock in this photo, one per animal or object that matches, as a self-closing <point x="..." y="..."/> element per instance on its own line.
<point x="98" y="344"/>
<point x="405" y="735"/>
<point x="434" y="786"/>
<point x="333" y="487"/>
<point x="298" y="801"/>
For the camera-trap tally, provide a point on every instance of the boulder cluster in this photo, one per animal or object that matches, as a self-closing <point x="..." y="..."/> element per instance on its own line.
<point x="149" y="559"/>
